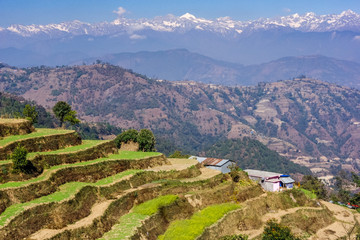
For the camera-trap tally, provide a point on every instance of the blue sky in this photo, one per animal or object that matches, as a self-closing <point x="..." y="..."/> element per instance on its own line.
<point x="55" y="11"/>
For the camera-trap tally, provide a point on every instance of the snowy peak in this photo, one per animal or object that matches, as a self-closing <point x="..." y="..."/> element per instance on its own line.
<point x="188" y="16"/>
<point x="309" y="22"/>
<point x="348" y="12"/>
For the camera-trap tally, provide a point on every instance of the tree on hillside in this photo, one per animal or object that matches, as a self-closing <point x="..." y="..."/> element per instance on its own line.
<point x="30" y="113"/>
<point x="64" y="113"/>
<point x="146" y="140"/>
<point x="314" y="185"/>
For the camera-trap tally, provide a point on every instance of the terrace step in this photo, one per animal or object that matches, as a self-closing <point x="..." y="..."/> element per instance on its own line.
<point x="43" y="139"/>
<point x="14" y="126"/>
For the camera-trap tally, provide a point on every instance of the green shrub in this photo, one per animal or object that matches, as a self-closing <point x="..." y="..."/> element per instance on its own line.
<point x="314" y="185"/>
<point x="235" y="237"/>
<point x="127" y="136"/>
<point x="179" y="154"/>
<point x="146" y="140"/>
<point x="274" y="230"/>
<point x="20" y="163"/>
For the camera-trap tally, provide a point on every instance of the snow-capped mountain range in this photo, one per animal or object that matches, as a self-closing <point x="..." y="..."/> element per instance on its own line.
<point x="244" y="42"/>
<point x="309" y="22"/>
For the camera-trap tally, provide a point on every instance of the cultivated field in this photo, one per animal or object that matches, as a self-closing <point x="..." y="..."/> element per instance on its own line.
<point x="91" y="190"/>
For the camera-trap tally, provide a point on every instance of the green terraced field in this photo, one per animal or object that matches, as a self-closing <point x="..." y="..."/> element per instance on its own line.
<point x="47" y="172"/>
<point x="66" y="191"/>
<point x="5" y="162"/>
<point x="133" y="155"/>
<point x="190" y="229"/>
<point x="85" y="145"/>
<point x="129" y="222"/>
<point x="40" y="132"/>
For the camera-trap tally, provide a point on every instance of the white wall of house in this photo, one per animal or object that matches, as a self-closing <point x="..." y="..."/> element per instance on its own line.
<point x="271" y="186"/>
<point x="224" y="168"/>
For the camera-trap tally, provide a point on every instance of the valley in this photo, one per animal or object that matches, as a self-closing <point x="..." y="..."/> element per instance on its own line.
<point x="310" y="122"/>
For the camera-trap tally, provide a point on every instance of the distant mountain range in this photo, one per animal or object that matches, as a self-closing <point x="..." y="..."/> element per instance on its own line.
<point x="309" y="22"/>
<point x="245" y="42"/>
<point x="180" y="64"/>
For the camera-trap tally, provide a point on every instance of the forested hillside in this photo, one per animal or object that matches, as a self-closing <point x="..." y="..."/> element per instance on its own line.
<point x="300" y="117"/>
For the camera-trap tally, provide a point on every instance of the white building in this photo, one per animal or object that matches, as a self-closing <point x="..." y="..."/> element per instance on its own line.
<point x="222" y="165"/>
<point x="271" y="181"/>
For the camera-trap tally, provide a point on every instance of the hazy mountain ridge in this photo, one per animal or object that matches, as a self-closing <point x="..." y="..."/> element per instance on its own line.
<point x="180" y="64"/>
<point x="295" y="117"/>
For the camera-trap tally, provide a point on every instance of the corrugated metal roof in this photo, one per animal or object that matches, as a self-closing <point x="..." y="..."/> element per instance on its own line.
<point x="272" y="180"/>
<point x="287" y="180"/>
<point x="211" y="161"/>
<point x="262" y="174"/>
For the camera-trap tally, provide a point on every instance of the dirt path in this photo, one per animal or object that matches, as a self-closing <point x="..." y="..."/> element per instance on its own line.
<point x="272" y="215"/>
<point x="345" y="219"/>
<point x="206" y="173"/>
<point x="96" y="211"/>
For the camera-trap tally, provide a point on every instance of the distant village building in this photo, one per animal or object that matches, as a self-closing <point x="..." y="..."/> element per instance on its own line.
<point x="271" y="181"/>
<point x="222" y="165"/>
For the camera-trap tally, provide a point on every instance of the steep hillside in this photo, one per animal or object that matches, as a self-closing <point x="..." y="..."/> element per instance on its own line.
<point x="180" y="64"/>
<point x="91" y="190"/>
<point x="301" y="117"/>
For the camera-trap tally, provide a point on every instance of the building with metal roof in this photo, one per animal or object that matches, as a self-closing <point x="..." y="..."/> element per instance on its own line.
<point x="222" y="165"/>
<point x="271" y="181"/>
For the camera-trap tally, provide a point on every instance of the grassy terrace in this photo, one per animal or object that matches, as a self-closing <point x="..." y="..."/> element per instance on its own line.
<point x="131" y="221"/>
<point x="47" y="172"/>
<point x="85" y="145"/>
<point x="190" y="229"/>
<point x="40" y="132"/>
<point x="308" y="193"/>
<point x="5" y="161"/>
<point x="65" y="192"/>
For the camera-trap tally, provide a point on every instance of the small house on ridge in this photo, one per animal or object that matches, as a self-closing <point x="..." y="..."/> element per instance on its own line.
<point x="222" y="165"/>
<point x="271" y="181"/>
